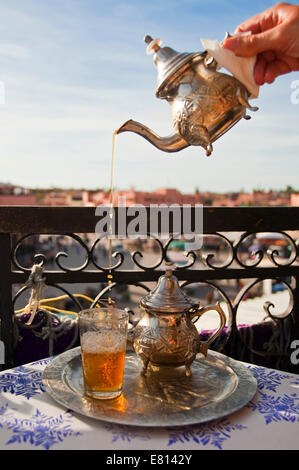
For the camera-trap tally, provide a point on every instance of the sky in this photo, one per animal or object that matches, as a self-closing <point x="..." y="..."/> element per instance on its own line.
<point x="73" y="71"/>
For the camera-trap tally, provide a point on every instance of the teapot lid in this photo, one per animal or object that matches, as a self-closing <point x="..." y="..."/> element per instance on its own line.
<point x="168" y="61"/>
<point x="168" y="297"/>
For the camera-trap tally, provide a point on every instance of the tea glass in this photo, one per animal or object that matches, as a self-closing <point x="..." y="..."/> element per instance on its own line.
<point x="103" y="338"/>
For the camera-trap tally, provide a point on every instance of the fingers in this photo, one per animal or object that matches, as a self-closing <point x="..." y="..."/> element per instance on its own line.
<point x="247" y="46"/>
<point x="259" y="23"/>
<point x="270" y="65"/>
<point x="269" y="56"/>
<point x="274" y="69"/>
<point x="261" y="66"/>
<point x="253" y="25"/>
<point x="260" y="70"/>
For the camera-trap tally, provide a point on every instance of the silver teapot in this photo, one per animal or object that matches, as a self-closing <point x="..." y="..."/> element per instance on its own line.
<point x="166" y="334"/>
<point x="205" y="103"/>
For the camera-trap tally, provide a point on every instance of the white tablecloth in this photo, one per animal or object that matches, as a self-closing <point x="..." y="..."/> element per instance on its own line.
<point x="31" y="419"/>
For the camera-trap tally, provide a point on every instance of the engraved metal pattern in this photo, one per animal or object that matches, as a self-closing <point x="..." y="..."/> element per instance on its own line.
<point x="165" y="334"/>
<point x="166" y="397"/>
<point x="205" y="103"/>
<point x="207" y="106"/>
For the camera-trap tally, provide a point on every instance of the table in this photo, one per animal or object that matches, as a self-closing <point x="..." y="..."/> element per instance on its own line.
<point x="31" y="419"/>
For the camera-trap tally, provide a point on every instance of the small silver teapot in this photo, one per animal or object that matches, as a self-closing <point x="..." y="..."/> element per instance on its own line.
<point x="166" y="335"/>
<point x="205" y="103"/>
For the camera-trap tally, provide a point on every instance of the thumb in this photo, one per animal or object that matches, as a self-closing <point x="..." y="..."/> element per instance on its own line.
<point x="250" y="45"/>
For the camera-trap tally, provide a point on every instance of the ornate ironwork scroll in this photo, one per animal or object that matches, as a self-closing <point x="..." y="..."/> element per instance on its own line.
<point x="234" y="262"/>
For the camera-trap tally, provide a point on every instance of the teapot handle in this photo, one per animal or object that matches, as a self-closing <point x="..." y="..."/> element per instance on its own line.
<point x="204" y="345"/>
<point x="131" y="331"/>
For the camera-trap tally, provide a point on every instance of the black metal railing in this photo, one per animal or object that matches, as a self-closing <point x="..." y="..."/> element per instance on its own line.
<point x="232" y="262"/>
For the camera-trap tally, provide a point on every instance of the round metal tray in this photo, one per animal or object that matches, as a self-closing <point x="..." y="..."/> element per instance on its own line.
<point x="218" y="386"/>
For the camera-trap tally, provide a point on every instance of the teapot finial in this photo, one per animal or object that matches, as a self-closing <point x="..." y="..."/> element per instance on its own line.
<point x="153" y="44"/>
<point x="168" y="267"/>
<point x="148" y="39"/>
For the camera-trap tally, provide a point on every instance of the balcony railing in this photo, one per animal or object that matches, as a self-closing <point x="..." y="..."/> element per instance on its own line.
<point x="233" y="263"/>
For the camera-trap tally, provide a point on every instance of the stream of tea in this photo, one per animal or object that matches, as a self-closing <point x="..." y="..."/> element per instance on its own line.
<point x="111" y="215"/>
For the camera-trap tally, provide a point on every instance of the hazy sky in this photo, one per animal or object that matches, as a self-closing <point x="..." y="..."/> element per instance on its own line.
<point x="75" y="70"/>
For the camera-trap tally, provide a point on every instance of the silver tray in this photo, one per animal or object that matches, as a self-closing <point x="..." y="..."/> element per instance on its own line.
<point x="164" y="397"/>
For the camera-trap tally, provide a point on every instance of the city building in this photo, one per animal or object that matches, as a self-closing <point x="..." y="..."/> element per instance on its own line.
<point x="17" y="195"/>
<point x="11" y="195"/>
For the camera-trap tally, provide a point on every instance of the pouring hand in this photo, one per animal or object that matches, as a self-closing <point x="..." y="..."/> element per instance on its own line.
<point x="274" y="39"/>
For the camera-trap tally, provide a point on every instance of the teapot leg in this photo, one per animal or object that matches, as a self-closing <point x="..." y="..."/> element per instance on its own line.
<point x="188" y="367"/>
<point x="145" y="363"/>
<point x="209" y="149"/>
<point x="244" y="101"/>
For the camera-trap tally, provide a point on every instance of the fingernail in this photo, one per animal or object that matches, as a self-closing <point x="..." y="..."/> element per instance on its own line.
<point x="259" y="82"/>
<point x="230" y="43"/>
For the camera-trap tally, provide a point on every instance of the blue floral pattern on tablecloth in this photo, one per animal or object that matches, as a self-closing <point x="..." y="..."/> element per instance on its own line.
<point x="275" y="409"/>
<point x="268" y="379"/>
<point x="42" y="362"/>
<point x="122" y="432"/>
<point x="213" y="434"/>
<point x="39" y="429"/>
<point x="22" y="381"/>
<point x="276" y="401"/>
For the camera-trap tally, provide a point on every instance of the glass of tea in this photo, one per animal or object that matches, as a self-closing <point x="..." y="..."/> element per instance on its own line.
<point x="103" y="338"/>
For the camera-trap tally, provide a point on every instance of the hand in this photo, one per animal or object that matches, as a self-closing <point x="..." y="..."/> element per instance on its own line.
<point x="274" y="40"/>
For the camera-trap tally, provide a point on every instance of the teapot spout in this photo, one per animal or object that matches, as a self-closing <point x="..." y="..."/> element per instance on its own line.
<point x="170" y="143"/>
